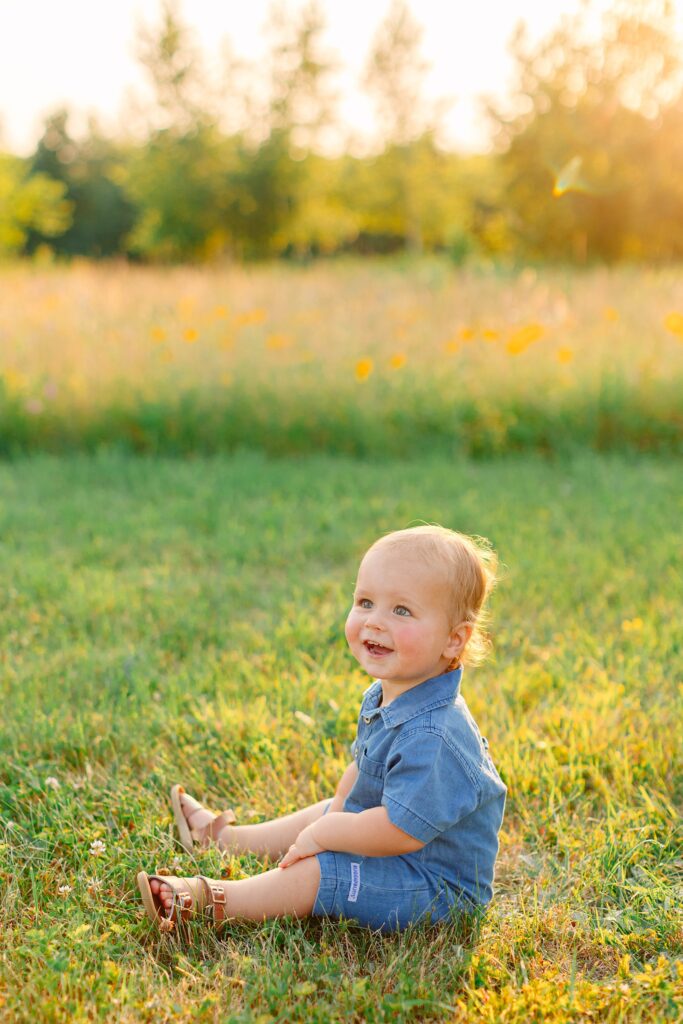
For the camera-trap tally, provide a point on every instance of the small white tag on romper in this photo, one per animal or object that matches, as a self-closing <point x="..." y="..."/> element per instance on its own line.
<point x="355" y="882"/>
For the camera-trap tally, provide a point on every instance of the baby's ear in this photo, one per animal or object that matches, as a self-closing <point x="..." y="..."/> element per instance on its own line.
<point x="457" y="639"/>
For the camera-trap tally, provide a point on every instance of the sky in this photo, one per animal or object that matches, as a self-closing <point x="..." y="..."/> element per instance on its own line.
<point x="81" y="53"/>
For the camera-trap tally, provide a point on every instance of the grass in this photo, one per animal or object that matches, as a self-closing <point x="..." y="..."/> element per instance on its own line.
<point x="165" y="620"/>
<point x="357" y="358"/>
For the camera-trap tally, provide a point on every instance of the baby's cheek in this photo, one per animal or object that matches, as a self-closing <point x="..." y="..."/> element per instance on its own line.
<point x="351" y="629"/>
<point x="409" y="636"/>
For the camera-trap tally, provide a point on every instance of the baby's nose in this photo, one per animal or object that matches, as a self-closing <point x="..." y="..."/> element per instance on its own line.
<point x="374" y="619"/>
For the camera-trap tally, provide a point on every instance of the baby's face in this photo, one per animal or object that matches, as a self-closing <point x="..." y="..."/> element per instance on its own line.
<point x="398" y="627"/>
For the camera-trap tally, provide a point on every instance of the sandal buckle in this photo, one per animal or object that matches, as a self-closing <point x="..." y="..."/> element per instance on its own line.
<point x="185" y="900"/>
<point x="218" y="894"/>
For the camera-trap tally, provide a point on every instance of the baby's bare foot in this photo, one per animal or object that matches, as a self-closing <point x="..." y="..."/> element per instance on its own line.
<point x="164" y="893"/>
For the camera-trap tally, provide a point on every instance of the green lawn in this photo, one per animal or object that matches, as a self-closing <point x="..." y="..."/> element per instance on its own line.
<point x="165" y="620"/>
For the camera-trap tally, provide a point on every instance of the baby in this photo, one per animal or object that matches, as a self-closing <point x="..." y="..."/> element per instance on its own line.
<point x="412" y="831"/>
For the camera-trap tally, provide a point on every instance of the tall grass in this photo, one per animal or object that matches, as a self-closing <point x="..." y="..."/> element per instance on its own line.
<point x="354" y="358"/>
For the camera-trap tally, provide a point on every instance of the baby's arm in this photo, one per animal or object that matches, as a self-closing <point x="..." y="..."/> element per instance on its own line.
<point x="346" y="784"/>
<point x="368" y="834"/>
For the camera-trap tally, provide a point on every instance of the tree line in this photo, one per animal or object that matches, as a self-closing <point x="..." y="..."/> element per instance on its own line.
<point x="587" y="161"/>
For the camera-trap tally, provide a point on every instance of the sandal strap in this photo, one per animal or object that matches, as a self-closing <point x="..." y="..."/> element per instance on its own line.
<point x="220" y="821"/>
<point x="215" y="899"/>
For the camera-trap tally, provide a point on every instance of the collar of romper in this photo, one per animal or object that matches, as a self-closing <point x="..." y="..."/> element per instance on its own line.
<point x="432" y="693"/>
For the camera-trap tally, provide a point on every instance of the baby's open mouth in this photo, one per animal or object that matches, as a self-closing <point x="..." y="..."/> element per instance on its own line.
<point x="377" y="649"/>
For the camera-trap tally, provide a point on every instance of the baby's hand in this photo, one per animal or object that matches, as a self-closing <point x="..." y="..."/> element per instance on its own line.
<point x="304" y="846"/>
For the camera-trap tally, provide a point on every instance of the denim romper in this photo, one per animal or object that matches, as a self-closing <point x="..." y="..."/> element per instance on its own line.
<point x="424" y="759"/>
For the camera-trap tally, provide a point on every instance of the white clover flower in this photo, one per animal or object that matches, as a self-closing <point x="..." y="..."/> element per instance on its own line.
<point x="52" y="782"/>
<point x="97" y="847"/>
<point x="64" y="890"/>
<point x="93" y="885"/>
<point x="176" y="864"/>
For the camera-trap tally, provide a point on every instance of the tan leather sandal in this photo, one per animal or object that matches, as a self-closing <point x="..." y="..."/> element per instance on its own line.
<point x="210" y="831"/>
<point x="191" y="896"/>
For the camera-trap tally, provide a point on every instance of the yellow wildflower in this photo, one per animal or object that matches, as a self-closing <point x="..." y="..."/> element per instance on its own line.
<point x="190" y="335"/>
<point x="158" y="334"/>
<point x="674" y="323"/>
<point x="276" y="342"/>
<point x="364" y="368"/>
<point x="610" y="314"/>
<point x="523" y="337"/>
<point x="565" y="355"/>
<point x="397" y="361"/>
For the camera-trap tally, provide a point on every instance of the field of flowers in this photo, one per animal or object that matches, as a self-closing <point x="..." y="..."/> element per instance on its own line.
<point x="353" y="358"/>
<point x="174" y="620"/>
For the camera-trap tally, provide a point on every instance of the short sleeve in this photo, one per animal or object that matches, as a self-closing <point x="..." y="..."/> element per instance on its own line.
<point x="427" y="789"/>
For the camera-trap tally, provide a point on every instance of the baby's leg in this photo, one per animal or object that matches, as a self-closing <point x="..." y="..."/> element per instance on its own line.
<point x="274" y="893"/>
<point x="274" y="837"/>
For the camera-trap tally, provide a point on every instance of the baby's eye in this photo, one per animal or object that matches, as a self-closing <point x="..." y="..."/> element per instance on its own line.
<point x="401" y="609"/>
<point x="365" y="602"/>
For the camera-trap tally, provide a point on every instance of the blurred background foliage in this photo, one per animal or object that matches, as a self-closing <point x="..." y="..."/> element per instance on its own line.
<point x="585" y="166"/>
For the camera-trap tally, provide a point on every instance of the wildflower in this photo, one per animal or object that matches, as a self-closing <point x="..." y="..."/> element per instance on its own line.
<point x="93" y="885"/>
<point x="466" y="334"/>
<point x="520" y="339"/>
<point x="610" y="314"/>
<point x="34" y="406"/>
<point x="253" y="316"/>
<point x="398" y="361"/>
<point x="632" y="625"/>
<point x="176" y="865"/>
<point x="364" y="369"/>
<point x="220" y="312"/>
<point x="488" y="334"/>
<point x="97" y="847"/>
<point x="158" y="334"/>
<point x="303" y="717"/>
<point x="190" y="335"/>
<point x="451" y="347"/>
<point x="565" y="355"/>
<point x="64" y="890"/>
<point x="674" y="323"/>
<point x="277" y="341"/>
<point x="52" y="782"/>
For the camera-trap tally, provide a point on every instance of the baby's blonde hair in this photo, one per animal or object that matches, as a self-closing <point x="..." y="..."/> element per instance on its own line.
<point x="469" y="565"/>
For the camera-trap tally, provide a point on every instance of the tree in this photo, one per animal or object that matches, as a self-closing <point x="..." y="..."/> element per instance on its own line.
<point x="178" y="177"/>
<point x="395" y="74"/>
<point x="584" y="139"/>
<point x="88" y="169"/>
<point x="275" y="192"/>
<point x="182" y="99"/>
<point x="29" y="202"/>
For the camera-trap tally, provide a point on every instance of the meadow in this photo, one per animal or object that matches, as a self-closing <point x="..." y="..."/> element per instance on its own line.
<point x="349" y="358"/>
<point x="193" y="461"/>
<point x="182" y="620"/>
